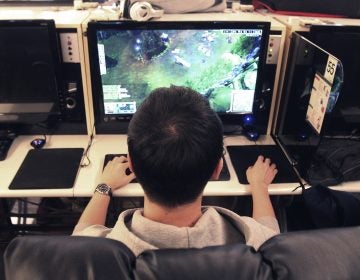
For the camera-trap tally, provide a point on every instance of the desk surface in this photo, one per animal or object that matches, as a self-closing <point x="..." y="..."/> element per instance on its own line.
<point x="63" y="17"/>
<point x="88" y="177"/>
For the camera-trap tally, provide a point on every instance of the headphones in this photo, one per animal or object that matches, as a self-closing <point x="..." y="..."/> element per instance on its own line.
<point x="142" y="11"/>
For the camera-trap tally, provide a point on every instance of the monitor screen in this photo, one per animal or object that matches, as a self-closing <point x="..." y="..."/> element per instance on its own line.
<point x="220" y="60"/>
<point x="312" y="87"/>
<point x="29" y="71"/>
<point x="344" y="43"/>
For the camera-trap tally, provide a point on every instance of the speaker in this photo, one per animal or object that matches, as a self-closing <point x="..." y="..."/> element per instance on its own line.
<point x="265" y="102"/>
<point x="71" y="99"/>
<point x="143" y="11"/>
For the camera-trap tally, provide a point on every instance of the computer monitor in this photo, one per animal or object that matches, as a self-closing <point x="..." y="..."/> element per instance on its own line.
<point x="312" y="87"/>
<point x="29" y="72"/>
<point x="344" y="43"/>
<point x="221" y="60"/>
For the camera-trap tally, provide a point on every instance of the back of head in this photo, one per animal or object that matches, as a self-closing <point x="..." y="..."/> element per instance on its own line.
<point x="175" y="141"/>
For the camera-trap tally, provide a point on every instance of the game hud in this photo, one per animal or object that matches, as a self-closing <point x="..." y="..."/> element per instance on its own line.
<point x="220" y="64"/>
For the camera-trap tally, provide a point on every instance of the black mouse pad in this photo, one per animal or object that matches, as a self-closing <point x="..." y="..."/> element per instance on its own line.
<point x="224" y="174"/>
<point x="244" y="156"/>
<point x="48" y="169"/>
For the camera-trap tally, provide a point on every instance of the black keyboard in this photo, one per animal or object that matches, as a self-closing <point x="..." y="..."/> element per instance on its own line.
<point x="5" y="144"/>
<point x="109" y="157"/>
<point x="224" y="174"/>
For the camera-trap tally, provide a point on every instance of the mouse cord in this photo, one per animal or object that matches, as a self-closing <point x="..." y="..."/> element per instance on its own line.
<point x="86" y="152"/>
<point x="302" y="186"/>
<point x="44" y="128"/>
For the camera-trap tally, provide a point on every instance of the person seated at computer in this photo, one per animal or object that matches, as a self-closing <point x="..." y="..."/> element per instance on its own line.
<point x="175" y="145"/>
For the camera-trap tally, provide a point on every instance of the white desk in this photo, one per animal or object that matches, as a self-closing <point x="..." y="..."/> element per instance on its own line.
<point x="89" y="176"/>
<point x="16" y="155"/>
<point x="107" y="144"/>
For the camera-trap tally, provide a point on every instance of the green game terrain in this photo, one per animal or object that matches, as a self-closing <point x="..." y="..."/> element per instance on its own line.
<point x="204" y="62"/>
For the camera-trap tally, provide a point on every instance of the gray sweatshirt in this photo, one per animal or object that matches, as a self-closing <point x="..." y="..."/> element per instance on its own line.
<point x="217" y="226"/>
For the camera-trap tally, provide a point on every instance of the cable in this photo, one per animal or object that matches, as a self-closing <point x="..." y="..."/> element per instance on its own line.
<point x="86" y="152"/>
<point x="302" y="186"/>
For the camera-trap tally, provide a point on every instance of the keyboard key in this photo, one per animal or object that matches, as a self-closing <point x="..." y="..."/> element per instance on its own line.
<point x="5" y="144"/>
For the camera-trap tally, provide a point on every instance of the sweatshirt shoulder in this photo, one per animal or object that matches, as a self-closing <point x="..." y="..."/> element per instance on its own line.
<point x="255" y="232"/>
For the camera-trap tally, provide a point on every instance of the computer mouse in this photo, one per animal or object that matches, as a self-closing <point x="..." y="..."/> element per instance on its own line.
<point x="252" y="135"/>
<point x="38" y="143"/>
<point x="302" y="136"/>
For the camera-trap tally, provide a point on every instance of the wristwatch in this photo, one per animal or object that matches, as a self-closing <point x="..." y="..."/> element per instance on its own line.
<point x="104" y="189"/>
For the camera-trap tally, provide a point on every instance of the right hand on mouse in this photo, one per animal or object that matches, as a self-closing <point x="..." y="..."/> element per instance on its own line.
<point x="114" y="173"/>
<point x="261" y="174"/>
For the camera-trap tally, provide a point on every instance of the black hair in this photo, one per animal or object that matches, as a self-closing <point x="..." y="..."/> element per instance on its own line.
<point x="175" y="142"/>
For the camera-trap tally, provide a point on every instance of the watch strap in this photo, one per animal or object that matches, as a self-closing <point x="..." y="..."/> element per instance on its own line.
<point x="103" y="189"/>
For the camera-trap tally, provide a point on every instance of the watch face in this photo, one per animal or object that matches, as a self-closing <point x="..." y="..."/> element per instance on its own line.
<point x="103" y="188"/>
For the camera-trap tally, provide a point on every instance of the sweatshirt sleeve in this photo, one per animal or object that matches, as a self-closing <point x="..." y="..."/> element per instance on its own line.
<point x="269" y="222"/>
<point x="257" y="232"/>
<point x="84" y="229"/>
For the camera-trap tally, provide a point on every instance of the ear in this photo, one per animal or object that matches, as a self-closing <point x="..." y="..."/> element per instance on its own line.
<point x="218" y="168"/>
<point x="130" y="163"/>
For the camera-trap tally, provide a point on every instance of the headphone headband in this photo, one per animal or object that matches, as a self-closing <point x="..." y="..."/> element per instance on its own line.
<point x="139" y="10"/>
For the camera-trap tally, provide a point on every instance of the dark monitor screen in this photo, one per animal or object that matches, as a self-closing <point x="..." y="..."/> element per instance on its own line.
<point x="220" y="60"/>
<point x="312" y="87"/>
<point x="29" y="71"/>
<point x="344" y="43"/>
<point x="310" y="72"/>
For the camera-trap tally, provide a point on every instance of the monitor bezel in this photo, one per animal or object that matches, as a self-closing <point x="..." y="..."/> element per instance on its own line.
<point x="96" y="85"/>
<point x="54" y="47"/>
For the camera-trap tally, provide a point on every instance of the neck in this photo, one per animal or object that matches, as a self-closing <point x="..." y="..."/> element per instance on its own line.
<point x="181" y="216"/>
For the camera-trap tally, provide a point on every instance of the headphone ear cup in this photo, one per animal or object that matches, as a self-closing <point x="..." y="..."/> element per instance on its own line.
<point x="143" y="11"/>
